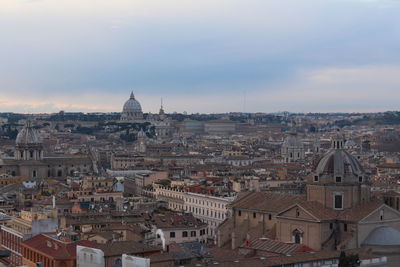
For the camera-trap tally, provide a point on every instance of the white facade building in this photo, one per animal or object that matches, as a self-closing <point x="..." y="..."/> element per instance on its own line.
<point x="292" y="149"/>
<point x="209" y="209"/>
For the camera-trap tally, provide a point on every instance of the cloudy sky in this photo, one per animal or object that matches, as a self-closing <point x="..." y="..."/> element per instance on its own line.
<point x="200" y="55"/>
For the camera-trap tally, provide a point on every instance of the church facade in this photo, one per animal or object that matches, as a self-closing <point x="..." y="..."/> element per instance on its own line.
<point x="336" y="213"/>
<point x="29" y="160"/>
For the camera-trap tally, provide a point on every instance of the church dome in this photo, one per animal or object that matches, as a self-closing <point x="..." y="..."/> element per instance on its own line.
<point x="132" y="110"/>
<point x="28" y="136"/>
<point x="383" y="236"/>
<point x="132" y="105"/>
<point x="339" y="162"/>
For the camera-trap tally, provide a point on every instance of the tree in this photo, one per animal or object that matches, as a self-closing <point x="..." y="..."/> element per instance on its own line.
<point x="351" y="260"/>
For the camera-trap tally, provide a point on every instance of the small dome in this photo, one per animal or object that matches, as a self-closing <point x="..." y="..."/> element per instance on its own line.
<point x="132" y="105"/>
<point x="28" y="136"/>
<point x="383" y="236"/>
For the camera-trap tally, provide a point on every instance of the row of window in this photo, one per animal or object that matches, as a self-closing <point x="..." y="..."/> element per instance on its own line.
<point x="254" y="215"/>
<point x="186" y="234"/>
<point x="207" y="203"/>
<point x="338" y="179"/>
<point x="206" y="212"/>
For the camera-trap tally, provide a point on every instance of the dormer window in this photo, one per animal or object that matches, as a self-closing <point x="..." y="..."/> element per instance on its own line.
<point x="316" y="178"/>
<point x="338" y="179"/>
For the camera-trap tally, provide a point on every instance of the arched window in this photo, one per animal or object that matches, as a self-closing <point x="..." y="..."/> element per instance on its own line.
<point x="297" y="236"/>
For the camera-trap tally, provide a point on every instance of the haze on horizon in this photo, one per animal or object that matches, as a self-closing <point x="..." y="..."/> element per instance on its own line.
<point x="200" y="56"/>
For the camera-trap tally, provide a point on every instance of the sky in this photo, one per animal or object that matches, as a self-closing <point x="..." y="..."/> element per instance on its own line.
<point x="200" y="56"/>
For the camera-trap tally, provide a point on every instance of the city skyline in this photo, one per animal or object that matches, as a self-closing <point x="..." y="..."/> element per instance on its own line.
<point x="206" y="57"/>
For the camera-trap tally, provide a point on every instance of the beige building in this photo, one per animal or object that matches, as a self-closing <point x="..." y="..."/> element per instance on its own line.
<point x="220" y="127"/>
<point x="95" y="183"/>
<point x="336" y="213"/>
<point x="178" y="229"/>
<point x="125" y="160"/>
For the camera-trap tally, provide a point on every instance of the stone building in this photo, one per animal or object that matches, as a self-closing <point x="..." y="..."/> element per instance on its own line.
<point x="31" y="163"/>
<point x="292" y="149"/>
<point x="337" y="211"/>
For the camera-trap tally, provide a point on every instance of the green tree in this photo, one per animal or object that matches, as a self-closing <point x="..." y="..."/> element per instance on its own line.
<point x="351" y="260"/>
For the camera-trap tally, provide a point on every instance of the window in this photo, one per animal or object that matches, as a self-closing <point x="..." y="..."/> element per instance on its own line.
<point x="338" y="179"/>
<point x="360" y="179"/>
<point x="345" y="227"/>
<point x="239" y="213"/>
<point x="381" y="215"/>
<point x="254" y="215"/>
<point x="184" y="234"/>
<point x="316" y="178"/>
<point x="269" y="217"/>
<point x="338" y="201"/>
<point x="331" y="226"/>
<point x="193" y="233"/>
<point x="172" y="234"/>
<point x="34" y="174"/>
<point x="297" y="212"/>
<point x="297" y="236"/>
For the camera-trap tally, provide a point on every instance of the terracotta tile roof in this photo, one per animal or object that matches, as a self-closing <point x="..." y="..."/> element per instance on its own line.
<point x="273" y="261"/>
<point x="177" y="221"/>
<point x="319" y="211"/>
<point x="267" y="202"/>
<point x="354" y="214"/>
<point x="55" y="248"/>
<point x="275" y="246"/>
<point x="359" y="212"/>
<point x="126" y="247"/>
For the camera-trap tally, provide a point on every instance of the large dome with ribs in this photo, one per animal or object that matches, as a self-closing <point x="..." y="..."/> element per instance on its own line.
<point x="339" y="162"/>
<point x="132" y="105"/>
<point x="28" y="136"/>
